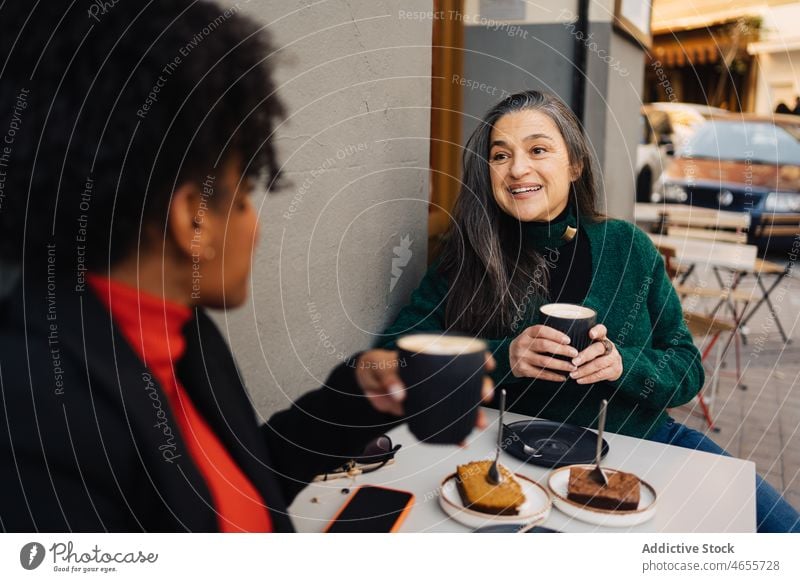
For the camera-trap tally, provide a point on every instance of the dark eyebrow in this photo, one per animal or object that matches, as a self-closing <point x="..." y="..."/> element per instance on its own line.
<point x="501" y="143"/>
<point x="538" y="136"/>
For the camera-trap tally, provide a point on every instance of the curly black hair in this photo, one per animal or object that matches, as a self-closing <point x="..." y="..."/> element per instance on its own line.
<point x="106" y="107"/>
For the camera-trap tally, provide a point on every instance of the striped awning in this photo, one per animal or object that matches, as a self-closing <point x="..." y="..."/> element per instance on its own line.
<point x="678" y="52"/>
<point x="696" y="47"/>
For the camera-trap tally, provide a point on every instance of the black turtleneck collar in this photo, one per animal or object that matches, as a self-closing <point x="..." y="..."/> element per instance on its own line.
<point x="550" y="234"/>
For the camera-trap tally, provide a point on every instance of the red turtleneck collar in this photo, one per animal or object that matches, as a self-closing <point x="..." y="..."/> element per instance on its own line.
<point x="153" y="326"/>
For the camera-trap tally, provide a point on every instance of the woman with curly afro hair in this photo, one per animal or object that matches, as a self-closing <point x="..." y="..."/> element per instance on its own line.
<point x="133" y="135"/>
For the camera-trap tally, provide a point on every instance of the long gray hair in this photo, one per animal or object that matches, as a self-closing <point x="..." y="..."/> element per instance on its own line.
<point x="492" y="276"/>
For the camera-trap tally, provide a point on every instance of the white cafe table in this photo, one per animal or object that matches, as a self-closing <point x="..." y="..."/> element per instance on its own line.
<point x="696" y="216"/>
<point x="713" y="253"/>
<point x="697" y="492"/>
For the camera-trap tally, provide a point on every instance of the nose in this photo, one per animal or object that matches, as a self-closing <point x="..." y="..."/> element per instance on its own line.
<point x="520" y="167"/>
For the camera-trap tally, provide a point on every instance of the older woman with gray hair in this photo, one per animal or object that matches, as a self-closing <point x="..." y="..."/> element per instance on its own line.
<point x="526" y="232"/>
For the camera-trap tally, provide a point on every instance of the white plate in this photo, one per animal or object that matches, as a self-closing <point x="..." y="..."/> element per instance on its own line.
<point x="558" y="481"/>
<point x="535" y="509"/>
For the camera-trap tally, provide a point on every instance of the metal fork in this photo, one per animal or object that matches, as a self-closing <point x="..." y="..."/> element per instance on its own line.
<point x="597" y="474"/>
<point x="494" y="477"/>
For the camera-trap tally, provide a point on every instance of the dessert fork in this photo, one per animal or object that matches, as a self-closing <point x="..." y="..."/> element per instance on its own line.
<point x="494" y="476"/>
<point x="597" y="474"/>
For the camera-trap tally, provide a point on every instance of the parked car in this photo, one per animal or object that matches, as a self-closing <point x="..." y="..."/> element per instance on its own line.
<point x="665" y="126"/>
<point x="651" y="155"/>
<point x="742" y="163"/>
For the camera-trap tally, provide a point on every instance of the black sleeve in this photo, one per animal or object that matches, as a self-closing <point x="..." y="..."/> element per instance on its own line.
<point x="55" y="472"/>
<point x="322" y="428"/>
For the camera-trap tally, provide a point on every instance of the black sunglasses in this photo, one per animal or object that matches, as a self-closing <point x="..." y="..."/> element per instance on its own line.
<point x="378" y="450"/>
<point x="378" y="453"/>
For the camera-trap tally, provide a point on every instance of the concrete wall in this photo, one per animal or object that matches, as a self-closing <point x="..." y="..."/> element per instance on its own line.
<point x="498" y="62"/>
<point x="778" y="56"/>
<point x="538" y="52"/>
<point x="778" y="80"/>
<point x="623" y="130"/>
<point x="355" y="77"/>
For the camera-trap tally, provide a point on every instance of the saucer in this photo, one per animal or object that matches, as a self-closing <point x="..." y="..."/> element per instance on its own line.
<point x="514" y="528"/>
<point x="556" y="444"/>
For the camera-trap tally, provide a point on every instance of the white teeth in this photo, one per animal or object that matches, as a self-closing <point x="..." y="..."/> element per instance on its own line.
<point x="527" y="189"/>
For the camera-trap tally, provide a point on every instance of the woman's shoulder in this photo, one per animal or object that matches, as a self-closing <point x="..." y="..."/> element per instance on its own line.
<point x="609" y="225"/>
<point x="617" y="228"/>
<point x="436" y="275"/>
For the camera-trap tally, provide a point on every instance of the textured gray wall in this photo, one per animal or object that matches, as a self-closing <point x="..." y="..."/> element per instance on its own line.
<point x="596" y="97"/>
<point x="507" y="60"/>
<point x="355" y="78"/>
<point x="622" y="127"/>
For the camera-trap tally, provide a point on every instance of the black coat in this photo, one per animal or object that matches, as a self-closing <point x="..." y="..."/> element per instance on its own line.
<point x="88" y="442"/>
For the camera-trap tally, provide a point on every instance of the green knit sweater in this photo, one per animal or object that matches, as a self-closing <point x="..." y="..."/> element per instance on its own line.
<point x="633" y="298"/>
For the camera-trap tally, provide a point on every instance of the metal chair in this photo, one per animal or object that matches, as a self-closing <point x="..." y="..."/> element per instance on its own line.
<point x="709" y="328"/>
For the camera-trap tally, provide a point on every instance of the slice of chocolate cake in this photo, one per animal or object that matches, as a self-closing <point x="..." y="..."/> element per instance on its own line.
<point x="621" y="494"/>
<point x="477" y="493"/>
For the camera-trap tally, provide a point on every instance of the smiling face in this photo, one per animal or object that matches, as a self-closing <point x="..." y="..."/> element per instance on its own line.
<point x="530" y="167"/>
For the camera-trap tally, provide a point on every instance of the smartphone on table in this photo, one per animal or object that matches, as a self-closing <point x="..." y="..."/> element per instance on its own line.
<point x="372" y="509"/>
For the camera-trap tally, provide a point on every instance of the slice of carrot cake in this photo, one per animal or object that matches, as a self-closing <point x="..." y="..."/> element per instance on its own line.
<point x="479" y="494"/>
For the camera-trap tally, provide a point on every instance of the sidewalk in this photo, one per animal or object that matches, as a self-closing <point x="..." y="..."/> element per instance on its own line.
<point x="762" y="423"/>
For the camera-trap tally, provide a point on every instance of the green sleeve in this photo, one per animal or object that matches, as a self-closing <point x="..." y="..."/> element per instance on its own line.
<point x="669" y="372"/>
<point x="426" y="313"/>
<point x="502" y="373"/>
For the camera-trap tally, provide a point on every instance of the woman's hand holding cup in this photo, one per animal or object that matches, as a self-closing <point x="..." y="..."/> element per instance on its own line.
<point x="531" y="354"/>
<point x="600" y="361"/>
<point x="377" y="376"/>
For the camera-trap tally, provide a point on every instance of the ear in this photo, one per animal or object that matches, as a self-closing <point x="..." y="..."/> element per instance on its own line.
<point x="187" y="211"/>
<point x="575" y="171"/>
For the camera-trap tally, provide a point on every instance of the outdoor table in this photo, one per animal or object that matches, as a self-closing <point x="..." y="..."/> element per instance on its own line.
<point x="764" y="269"/>
<point x="697" y="492"/>
<point x="714" y="253"/>
<point x="740" y="260"/>
<point x="695" y="215"/>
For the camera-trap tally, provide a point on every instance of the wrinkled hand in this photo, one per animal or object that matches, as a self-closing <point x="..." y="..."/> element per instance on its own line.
<point x="593" y="365"/>
<point x="531" y="354"/>
<point x="376" y="374"/>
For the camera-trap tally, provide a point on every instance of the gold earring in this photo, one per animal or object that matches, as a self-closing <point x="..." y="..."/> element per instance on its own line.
<point x="209" y="253"/>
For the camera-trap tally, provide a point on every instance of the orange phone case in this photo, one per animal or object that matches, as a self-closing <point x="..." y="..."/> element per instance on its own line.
<point x="397" y="523"/>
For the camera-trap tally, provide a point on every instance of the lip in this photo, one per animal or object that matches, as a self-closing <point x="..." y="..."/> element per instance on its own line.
<point x="529" y="194"/>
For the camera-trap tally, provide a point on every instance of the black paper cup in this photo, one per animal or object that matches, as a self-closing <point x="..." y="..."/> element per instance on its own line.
<point x="573" y="320"/>
<point x="443" y="375"/>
